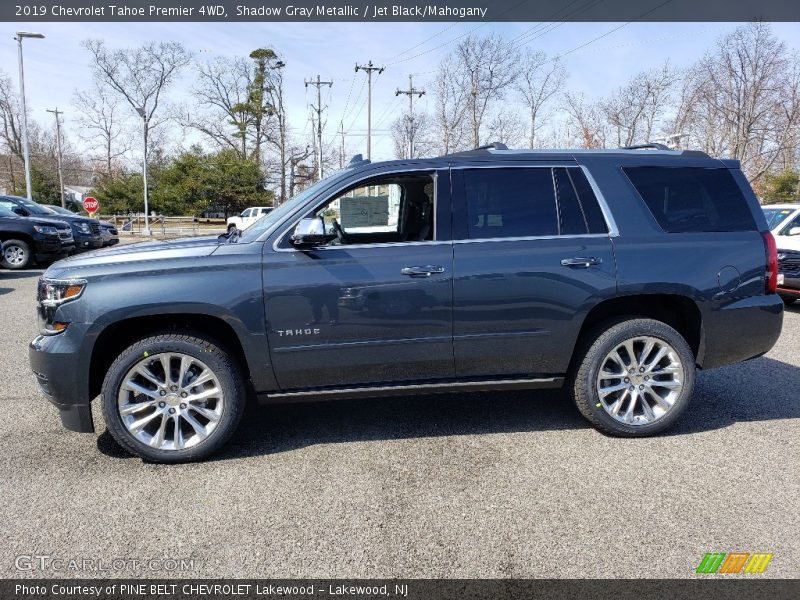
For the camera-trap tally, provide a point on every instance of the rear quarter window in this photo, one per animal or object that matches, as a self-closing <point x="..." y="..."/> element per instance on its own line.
<point x="690" y="199"/>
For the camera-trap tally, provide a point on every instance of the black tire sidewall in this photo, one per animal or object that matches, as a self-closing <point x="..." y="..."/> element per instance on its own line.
<point x="585" y="394"/>
<point x="25" y="246"/>
<point x="201" y="348"/>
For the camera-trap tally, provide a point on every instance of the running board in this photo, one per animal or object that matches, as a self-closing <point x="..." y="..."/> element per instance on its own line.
<point x="450" y="387"/>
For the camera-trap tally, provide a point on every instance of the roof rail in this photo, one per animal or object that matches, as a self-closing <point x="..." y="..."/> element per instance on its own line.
<point x="480" y="149"/>
<point x="648" y="146"/>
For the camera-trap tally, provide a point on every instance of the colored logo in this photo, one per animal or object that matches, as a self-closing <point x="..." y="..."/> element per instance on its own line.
<point x="734" y="562"/>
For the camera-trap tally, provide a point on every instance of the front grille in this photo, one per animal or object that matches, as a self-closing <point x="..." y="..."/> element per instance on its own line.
<point x="790" y="264"/>
<point x="65" y="234"/>
<point x="95" y="227"/>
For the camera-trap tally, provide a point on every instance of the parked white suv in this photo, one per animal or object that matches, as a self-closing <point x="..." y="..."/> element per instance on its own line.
<point x="783" y="221"/>
<point x="247" y="218"/>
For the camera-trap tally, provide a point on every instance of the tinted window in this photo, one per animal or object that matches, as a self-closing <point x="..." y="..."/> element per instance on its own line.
<point x="687" y="199"/>
<point x="570" y="213"/>
<point x="510" y="203"/>
<point x="592" y="212"/>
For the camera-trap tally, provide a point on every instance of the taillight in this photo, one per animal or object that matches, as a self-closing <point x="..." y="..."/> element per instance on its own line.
<point x="772" y="262"/>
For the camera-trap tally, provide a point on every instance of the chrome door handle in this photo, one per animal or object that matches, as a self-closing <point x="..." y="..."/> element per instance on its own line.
<point x="425" y="271"/>
<point x="581" y="261"/>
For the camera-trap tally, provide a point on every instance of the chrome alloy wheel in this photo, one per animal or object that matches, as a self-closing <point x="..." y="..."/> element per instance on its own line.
<point x="640" y="380"/>
<point x="14" y="255"/>
<point x="170" y="401"/>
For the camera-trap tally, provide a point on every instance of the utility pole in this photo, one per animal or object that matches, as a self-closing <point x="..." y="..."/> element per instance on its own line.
<point x="318" y="109"/>
<point x="57" y="113"/>
<point x="369" y="68"/>
<point x="410" y="92"/>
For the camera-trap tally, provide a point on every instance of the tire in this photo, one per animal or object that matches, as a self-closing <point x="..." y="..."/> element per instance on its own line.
<point x="217" y="408"/>
<point x="16" y="255"/>
<point x="788" y="300"/>
<point x="671" y="378"/>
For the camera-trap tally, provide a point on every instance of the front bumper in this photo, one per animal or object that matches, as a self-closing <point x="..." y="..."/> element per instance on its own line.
<point x="790" y="287"/>
<point x="85" y="242"/>
<point x="61" y="370"/>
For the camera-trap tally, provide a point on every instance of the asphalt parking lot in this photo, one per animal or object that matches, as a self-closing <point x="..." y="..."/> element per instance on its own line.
<point x="480" y="485"/>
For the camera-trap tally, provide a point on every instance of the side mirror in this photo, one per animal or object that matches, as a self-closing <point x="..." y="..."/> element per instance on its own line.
<point x="309" y="232"/>
<point x="794" y="231"/>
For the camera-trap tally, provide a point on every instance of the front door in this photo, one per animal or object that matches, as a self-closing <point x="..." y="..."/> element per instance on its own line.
<point x="374" y="304"/>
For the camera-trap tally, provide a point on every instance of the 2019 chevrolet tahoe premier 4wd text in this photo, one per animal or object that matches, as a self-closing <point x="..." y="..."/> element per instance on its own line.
<point x="612" y="274"/>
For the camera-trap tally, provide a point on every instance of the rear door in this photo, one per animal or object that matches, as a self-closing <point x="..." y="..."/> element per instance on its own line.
<point x="532" y="254"/>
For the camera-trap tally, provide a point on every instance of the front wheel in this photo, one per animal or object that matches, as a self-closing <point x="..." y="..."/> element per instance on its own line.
<point x="173" y="398"/>
<point x="634" y="379"/>
<point x="16" y="254"/>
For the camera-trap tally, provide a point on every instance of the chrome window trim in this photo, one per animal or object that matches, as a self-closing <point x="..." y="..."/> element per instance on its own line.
<point x="533" y="238"/>
<point x="340" y="189"/>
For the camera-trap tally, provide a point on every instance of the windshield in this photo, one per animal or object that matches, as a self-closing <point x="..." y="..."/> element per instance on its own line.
<point x="776" y="216"/>
<point x="33" y="208"/>
<point x="59" y="210"/>
<point x="264" y="223"/>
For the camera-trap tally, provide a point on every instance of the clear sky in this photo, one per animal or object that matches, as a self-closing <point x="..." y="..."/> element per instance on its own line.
<point x="56" y="66"/>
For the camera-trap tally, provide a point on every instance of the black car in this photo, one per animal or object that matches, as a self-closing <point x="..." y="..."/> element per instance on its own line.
<point x="789" y="275"/>
<point x="85" y="231"/>
<point x="108" y="231"/>
<point x="614" y="274"/>
<point x="26" y="240"/>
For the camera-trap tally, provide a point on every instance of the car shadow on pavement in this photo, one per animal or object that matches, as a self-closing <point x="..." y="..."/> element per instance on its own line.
<point x="758" y="390"/>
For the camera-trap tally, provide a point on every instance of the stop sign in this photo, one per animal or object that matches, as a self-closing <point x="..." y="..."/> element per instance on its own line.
<point x="91" y="204"/>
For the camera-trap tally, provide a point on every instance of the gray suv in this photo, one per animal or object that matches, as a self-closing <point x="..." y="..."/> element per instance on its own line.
<point x="613" y="274"/>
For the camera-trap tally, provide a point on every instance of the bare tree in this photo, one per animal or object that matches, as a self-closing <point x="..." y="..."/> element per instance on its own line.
<point x="745" y="100"/>
<point x="541" y="79"/>
<point x="222" y="113"/>
<point x="488" y="66"/>
<point x="586" y="121"/>
<point x="507" y="126"/>
<point x="414" y="128"/>
<point x="102" y="125"/>
<point x="450" y="98"/>
<point x="635" y="110"/>
<point x="139" y="75"/>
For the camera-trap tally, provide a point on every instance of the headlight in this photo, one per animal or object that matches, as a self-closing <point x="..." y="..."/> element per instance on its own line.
<point x="53" y="292"/>
<point x="45" y="229"/>
<point x="84" y="228"/>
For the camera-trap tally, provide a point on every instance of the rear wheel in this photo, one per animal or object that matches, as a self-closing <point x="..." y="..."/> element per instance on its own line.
<point x="16" y="254"/>
<point x="173" y="398"/>
<point x="635" y="378"/>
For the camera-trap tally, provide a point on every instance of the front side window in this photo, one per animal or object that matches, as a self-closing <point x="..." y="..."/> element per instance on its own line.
<point x="513" y="202"/>
<point x="245" y="213"/>
<point x="393" y="209"/>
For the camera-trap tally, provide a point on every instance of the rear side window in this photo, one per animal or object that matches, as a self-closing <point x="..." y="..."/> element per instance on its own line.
<point x="510" y="203"/>
<point x="686" y="199"/>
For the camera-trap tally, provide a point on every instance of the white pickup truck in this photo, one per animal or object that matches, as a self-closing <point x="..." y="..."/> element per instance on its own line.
<point x="247" y="217"/>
